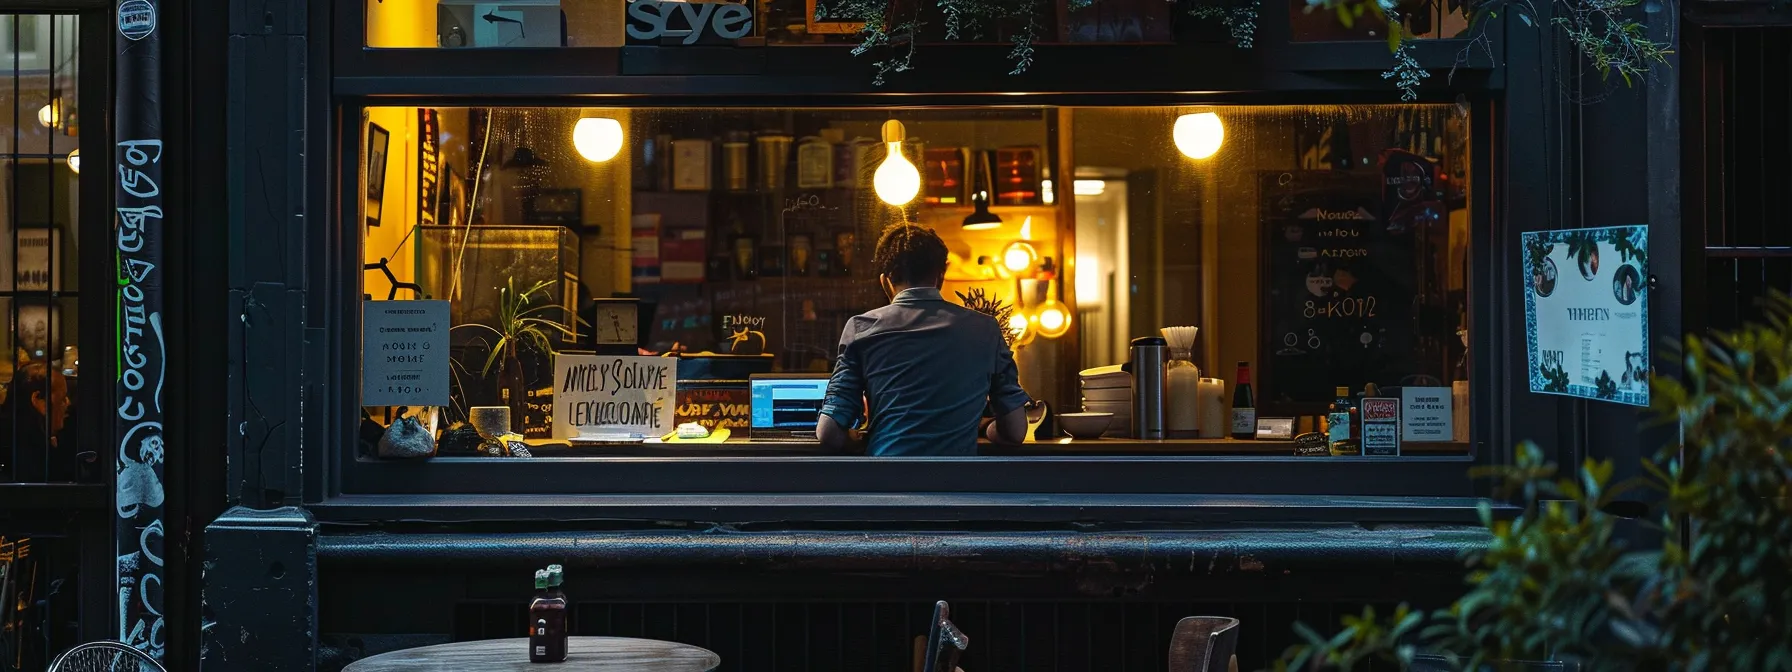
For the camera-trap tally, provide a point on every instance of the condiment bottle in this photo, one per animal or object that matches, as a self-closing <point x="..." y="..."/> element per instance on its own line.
<point x="547" y="624"/>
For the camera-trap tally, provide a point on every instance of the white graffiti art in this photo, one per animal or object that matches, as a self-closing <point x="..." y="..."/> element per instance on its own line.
<point x="142" y="369"/>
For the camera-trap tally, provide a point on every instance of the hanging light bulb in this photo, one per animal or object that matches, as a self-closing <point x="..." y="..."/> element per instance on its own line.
<point x="74" y="160"/>
<point x="50" y="115"/>
<point x="896" y="180"/>
<point x="1053" y="316"/>
<point x="1199" y="135"/>
<point x="598" y="139"/>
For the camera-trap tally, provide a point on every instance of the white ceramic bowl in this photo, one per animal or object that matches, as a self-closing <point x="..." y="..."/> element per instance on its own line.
<point x="1085" y="425"/>
<point x="1120" y="394"/>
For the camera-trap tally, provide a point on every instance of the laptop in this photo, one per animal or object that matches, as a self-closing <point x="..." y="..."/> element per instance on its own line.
<point x="785" y="406"/>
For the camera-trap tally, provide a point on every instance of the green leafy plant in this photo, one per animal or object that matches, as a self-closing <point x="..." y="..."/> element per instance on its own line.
<point x="518" y="324"/>
<point x="1555" y="379"/>
<point x="1558" y="581"/>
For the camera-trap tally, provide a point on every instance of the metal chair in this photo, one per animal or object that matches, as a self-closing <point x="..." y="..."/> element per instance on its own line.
<point x="105" y="657"/>
<point x="1204" y="644"/>
<point x="945" y="643"/>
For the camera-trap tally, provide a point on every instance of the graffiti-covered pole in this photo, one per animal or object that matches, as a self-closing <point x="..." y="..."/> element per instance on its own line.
<point x="138" y="156"/>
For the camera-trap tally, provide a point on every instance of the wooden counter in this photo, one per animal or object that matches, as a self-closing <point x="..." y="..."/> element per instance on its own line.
<point x="1061" y="447"/>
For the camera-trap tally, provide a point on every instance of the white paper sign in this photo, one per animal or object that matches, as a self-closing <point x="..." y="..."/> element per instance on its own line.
<point x="1425" y="415"/>
<point x="1586" y="304"/>
<point x="404" y="353"/>
<point x="613" y="396"/>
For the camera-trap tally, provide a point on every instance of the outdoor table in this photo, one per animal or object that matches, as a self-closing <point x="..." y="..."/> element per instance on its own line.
<point x="586" y="654"/>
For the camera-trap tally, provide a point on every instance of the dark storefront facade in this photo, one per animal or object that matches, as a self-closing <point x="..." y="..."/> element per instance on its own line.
<point x="730" y="190"/>
<point x="332" y="158"/>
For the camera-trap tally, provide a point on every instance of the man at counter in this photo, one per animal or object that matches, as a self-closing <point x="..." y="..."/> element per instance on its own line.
<point x="925" y="368"/>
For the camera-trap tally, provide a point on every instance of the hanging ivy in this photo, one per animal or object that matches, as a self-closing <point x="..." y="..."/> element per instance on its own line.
<point x="1604" y="32"/>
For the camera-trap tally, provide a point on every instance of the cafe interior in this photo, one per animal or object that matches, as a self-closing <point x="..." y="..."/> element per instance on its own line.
<point x="1316" y="252"/>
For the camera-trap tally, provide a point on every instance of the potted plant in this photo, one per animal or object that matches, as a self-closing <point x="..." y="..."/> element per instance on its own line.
<point x="519" y="325"/>
<point x="1559" y="583"/>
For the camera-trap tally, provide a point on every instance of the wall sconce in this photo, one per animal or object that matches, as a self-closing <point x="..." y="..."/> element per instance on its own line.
<point x="1199" y="135"/>
<point x="1019" y="257"/>
<point x="981" y="218"/>
<point x="74" y="160"/>
<point x="50" y="115"/>
<point x="598" y="139"/>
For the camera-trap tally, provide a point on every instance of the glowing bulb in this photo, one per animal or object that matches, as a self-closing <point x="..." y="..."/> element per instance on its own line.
<point x="50" y="115"/>
<point x="1021" y="328"/>
<point x="1045" y="188"/>
<point x="1054" y="319"/>
<point x="597" y="138"/>
<point x="1089" y="187"/>
<point x="896" y="180"/>
<point x="1019" y="256"/>
<point x="74" y="161"/>
<point x="1198" y="136"/>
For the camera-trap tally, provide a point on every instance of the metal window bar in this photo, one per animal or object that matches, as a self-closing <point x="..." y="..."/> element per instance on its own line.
<point x="1747" y="254"/>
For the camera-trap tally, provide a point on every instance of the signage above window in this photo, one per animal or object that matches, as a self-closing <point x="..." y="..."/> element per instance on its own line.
<point x="666" y="22"/>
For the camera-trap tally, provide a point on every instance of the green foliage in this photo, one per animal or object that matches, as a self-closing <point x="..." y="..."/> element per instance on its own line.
<point x="1556" y="582"/>
<point x="1604" y="387"/>
<point x="1555" y="379"/>
<point x="1538" y="250"/>
<point x="1239" y="18"/>
<point x="1623" y="241"/>
<point x="518" y="325"/>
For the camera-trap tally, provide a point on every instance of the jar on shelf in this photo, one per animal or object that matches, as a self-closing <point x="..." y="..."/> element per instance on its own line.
<point x="1182" y="408"/>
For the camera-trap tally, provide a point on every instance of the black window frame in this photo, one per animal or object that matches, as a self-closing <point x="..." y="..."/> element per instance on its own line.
<point x="1277" y="71"/>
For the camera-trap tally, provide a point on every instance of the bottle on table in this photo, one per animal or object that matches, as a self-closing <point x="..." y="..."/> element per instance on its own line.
<point x="1244" y="405"/>
<point x="547" y="624"/>
<point x="1343" y="425"/>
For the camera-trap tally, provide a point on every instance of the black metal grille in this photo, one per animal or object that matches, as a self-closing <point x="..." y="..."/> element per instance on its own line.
<point x="1043" y="636"/>
<point x="1748" y="164"/>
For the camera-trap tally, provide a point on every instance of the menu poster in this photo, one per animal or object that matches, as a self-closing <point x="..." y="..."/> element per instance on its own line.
<point x="1381" y="426"/>
<point x="1340" y="306"/>
<point x="613" y="396"/>
<point x="404" y="353"/>
<point x="1586" y="309"/>
<point x="715" y="407"/>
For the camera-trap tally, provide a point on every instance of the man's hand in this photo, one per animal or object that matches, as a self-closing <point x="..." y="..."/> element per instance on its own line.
<point x="1010" y="429"/>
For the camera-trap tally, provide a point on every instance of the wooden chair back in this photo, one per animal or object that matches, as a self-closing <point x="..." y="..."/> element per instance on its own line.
<point x="1204" y="644"/>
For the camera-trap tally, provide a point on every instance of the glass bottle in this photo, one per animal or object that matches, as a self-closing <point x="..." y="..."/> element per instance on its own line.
<point x="1183" y="378"/>
<point x="547" y="624"/>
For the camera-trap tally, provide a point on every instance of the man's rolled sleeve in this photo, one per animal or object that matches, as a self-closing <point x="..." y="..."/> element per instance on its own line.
<point x="1005" y="393"/>
<point x="845" y="401"/>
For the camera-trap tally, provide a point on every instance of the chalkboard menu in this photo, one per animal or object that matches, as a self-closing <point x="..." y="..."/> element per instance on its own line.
<point x="1340" y="286"/>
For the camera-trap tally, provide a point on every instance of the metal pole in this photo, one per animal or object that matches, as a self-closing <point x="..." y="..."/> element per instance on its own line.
<point x="138" y="155"/>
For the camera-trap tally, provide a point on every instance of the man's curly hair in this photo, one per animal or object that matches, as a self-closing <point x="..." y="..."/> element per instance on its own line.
<point x="910" y="255"/>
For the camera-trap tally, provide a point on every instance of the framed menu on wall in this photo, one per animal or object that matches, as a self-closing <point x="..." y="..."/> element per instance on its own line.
<point x="1586" y="306"/>
<point x="1340" y="284"/>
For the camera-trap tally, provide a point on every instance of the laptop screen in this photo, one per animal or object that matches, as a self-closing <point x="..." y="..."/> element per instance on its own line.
<point x="787" y="403"/>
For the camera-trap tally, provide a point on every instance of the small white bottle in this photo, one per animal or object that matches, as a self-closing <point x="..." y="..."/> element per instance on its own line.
<point x="1182" y="403"/>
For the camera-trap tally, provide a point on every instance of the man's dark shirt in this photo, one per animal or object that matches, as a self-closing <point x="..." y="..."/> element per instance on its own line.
<point x="927" y="367"/>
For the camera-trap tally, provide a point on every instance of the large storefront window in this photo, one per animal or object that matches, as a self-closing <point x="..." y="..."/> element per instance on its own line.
<point x="1322" y="247"/>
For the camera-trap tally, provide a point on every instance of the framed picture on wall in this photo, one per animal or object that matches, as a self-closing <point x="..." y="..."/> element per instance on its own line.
<point x="378" y="140"/>
<point x="38" y="253"/>
<point x="35" y="324"/>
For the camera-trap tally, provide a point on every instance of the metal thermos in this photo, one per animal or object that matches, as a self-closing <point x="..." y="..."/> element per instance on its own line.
<point x="1147" y="368"/>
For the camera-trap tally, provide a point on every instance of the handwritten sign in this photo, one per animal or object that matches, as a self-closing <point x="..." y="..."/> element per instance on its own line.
<point x="715" y="407"/>
<point x="594" y="394"/>
<point x="1381" y="427"/>
<point x="743" y="334"/>
<point x="1427" y="413"/>
<point x="404" y="353"/>
<point x="1586" y="305"/>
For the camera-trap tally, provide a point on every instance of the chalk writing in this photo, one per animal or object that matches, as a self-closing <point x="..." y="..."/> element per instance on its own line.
<point x="142" y="369"/>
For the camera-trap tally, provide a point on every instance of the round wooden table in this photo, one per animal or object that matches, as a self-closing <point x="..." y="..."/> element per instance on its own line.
<point x="587" y="654"/>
